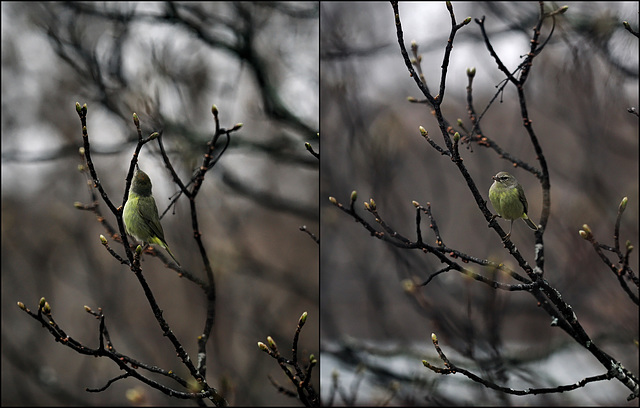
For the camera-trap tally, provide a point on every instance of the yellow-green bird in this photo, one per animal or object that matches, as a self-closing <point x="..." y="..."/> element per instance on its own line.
<point x="140" y="214"/>
<point x="507" y="198"/>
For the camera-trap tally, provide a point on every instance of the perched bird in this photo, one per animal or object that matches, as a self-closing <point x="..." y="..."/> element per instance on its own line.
<point x="507" y="198"/>
<point x="140" y="214"/>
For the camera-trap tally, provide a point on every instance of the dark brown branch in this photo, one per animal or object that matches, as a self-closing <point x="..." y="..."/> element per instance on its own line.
<point x="451" y="368"/>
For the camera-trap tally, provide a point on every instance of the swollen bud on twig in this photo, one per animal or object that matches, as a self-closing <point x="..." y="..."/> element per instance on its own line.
<point x="272" y="343"/>
<point x="449" y="7"/>
<point x="561" y="10"/>
<point x="139" y="249"/>
<point x="136" y="119"/>
<point x="456" y="137"/>
<point x="42" y="301"/>
<point x="471" y="72"/>
<point x="263" y="346"/>
<point x="623" y="204"/>
<point x="423" y="131"/>
<point x="303" y="319"/>
<point x="154" y="135"/>
<point x="333" y="200"/>
<point x="103" y="239"/>
<point x="22" y="306"/>
<point x="354" y="196"/>
<point x="415" y="204"/>
<point x="433" y="337"/>
<point x="214" y="110"/>
<point x="585" y="232"/>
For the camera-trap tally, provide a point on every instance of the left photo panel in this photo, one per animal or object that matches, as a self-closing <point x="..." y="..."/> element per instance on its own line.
<point x="160" y="216"/>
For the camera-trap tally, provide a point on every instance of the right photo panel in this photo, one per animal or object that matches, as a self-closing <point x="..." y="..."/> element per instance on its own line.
<point x="479" y="203"/>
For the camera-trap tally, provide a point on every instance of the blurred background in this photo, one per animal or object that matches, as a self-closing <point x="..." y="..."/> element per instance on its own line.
<point x="168" y="62"/>
<point x="374" y="334"/>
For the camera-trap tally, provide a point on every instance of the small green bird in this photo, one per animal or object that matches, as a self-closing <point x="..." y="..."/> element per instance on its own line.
<point x="507" y="198"/>
<point x="140" y="214"/>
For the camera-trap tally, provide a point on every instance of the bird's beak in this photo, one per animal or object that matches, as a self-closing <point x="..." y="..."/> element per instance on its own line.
<point x="494" y="177"/>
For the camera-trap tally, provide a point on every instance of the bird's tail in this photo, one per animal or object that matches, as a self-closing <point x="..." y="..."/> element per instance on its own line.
<point x="165" y="246"/>
<point x="528" y="221"/>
